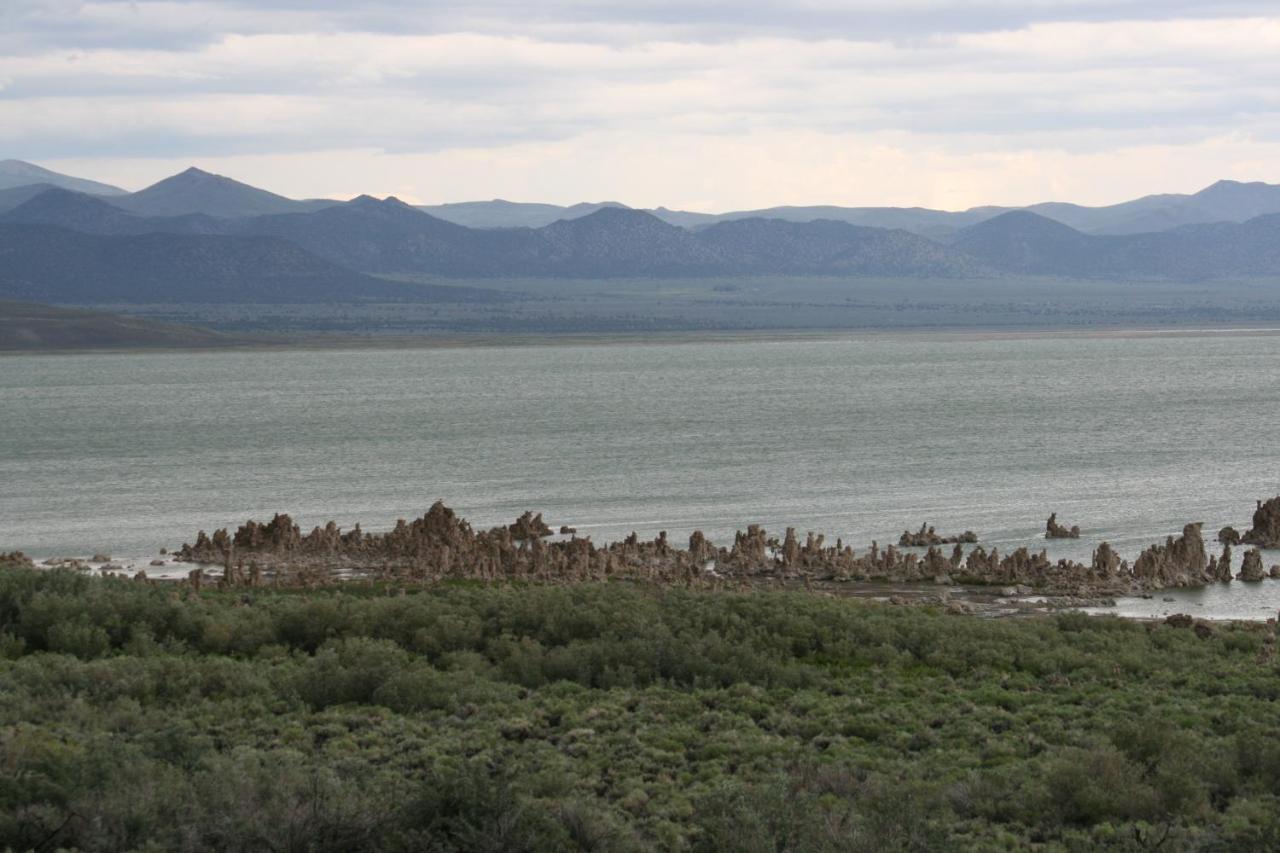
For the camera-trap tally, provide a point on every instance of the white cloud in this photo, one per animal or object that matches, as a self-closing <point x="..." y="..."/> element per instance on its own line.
<point x="680" y="104"/>
<point x="728" y="172"/>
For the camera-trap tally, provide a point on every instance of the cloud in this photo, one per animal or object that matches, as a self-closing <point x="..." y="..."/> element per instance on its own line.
<point x="753" y="170"/>
<point x="496" y="87"/>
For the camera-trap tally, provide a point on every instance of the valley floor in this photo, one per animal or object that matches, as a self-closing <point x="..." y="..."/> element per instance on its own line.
<point x="647" y="307"/>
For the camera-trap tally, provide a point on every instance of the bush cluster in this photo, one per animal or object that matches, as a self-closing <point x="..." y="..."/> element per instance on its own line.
<point x="616" y="717"/>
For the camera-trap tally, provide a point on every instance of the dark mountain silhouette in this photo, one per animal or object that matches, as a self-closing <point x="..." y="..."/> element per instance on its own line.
<point x="619" y="241"/>
<point x="1023" y="242"/>
<point x="386" y="236"/>
<point x="15" y="196"/>
<point x="41" y="263"/>
<point x="197" y="191"/>
<point x="391" y="237"/>
<point x="1249" y="249"/>
<point x="16" y="173"/>
<point x="832" y="248"/>
<point x="93" y="215"/>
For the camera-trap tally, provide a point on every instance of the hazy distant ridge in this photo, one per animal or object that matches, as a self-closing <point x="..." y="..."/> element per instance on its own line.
<point x="197" y="191"/>
<point x="16" y="173"/>
<point x="253" y="233"/>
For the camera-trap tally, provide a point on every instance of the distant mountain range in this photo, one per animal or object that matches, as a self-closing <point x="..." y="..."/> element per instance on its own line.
<point x="1027" y="243"/>
<point x="197" y="237"/>
<point x="1225" y="201"/>
<point x="196" y="191"/>
<point x="390" y="237"/>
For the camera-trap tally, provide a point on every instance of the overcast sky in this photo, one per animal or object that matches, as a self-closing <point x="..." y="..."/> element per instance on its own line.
<point x="697" y="104"/>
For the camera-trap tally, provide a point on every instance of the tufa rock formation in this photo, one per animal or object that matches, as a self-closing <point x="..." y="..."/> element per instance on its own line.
<point x="442" y="545"/>
<point x="1266" y="525"/>
<point x="1054" y="530"/>
<point x="926" y="537"/>
<point x="529" y="526"/>
<point x="1251" y="568"/>
<point x="16" y="558"/>
<point x="1229" y="536"/>
<point x="1178" y="562"/>
<point x="1220" y="567"/>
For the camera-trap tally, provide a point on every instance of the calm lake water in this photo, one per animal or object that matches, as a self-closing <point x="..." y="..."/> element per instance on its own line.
<point x="1128" y="437"/>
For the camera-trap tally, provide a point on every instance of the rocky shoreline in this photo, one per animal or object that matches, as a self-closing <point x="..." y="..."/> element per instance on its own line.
<point x="440" y="545"/>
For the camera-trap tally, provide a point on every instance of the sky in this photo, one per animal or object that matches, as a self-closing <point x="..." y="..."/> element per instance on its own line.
<point x="706" y="105"/>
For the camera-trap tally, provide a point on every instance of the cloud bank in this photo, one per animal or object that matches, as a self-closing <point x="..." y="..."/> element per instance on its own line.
<point x="704" y="104"/>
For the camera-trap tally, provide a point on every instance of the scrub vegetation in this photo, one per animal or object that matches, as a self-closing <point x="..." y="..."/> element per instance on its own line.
<point x="141" y="716"/>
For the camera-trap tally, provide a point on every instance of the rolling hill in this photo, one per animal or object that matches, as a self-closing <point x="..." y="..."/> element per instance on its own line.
<point x="827" y="247"/>
<point x="1026" y="243"/>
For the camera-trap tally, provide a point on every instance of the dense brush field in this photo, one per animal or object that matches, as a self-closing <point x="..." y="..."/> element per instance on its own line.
<point x="616" y="717"/>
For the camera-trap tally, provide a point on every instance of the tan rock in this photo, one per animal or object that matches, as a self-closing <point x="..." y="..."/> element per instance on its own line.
<point x="1178" y="562"/>
<point x="926" y="537"/>
<point x="1265" y="532"/>
<point x="1251" y="568"/>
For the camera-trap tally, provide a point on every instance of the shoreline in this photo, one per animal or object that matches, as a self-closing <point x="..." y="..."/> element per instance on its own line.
<point x="355" y="343"/>
<point x="983" y="602"/>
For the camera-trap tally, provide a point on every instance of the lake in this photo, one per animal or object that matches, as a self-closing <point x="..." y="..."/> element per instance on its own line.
<point x="1129" y="437"/>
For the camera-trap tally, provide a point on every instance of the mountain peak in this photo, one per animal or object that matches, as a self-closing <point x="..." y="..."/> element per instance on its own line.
<point x="194" y="190"/>
<point x="390" y="204"/>
<point x="1227" y="185"/>
<point x="195" y="176"/>
<point x="619" y="214"/>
